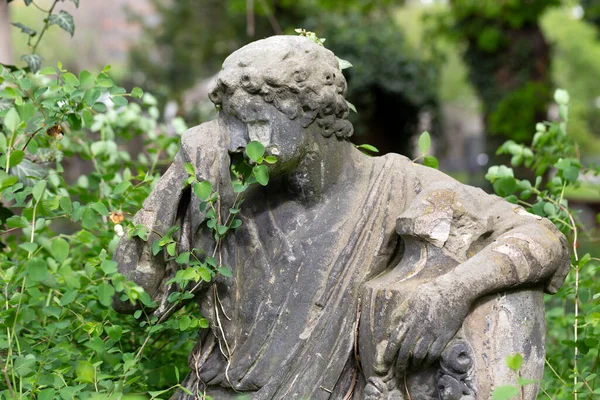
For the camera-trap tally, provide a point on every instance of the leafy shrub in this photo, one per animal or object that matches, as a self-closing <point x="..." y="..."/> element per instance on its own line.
<point x="60" y="336"/>
<point x="573" y="317"/>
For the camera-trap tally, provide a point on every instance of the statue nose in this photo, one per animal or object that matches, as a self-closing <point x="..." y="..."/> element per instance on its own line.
<point x="237" y="142"/>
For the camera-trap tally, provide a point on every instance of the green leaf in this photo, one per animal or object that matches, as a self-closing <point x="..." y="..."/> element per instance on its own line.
<point x="34" y="61"/>
<point x="86" y="79"/>
<point x="211" y="261"/>
<point x="431" y="162"/>
<point x="525" y="381"/>
<point x="47" y="394"/>
<point x="137" y="93"/>
<point x="236" y="223"/>
<point x="351" y="106"/>
<point x="184" y="322"/>
<point x="222" y="229"/>
<point x="88" y="118"/>
<point x="238" y="187"/>
<point x="99" y="107"/>
<point x="343" y="64"/>
<point x="424" y="142"/>
<point x="29" y="247"/>
<point x="65" y="204"/>
<point x="60" y="249"/>
<point x="183" y="258"/>
<point x="48" y="71"/>
<point x="156" y="247"/>
<point x="64" y="20"/>
<point x="8" y="181"/>
<point x="171" y="248"/>
<point x="119" y="101"/>
<point x="506" y="392"/>
<point x="38" y="190"/>
<point x="203" y="190"/>
<point x="36" y="269"/>
<point x="26" y="111"/>
<point x="270" y="159"/>
<point x="91" y="96"/>
<point x="121" y="187"/>
<point x="16" y="157"/>
<point x="205" y="274"/>
<point x="505" y="186"/>
<point x="88" y="219"/>
<point x="105" y="82"/>
<point x="26" y="30"/>
<point x="514" y="362"/>
<point x="261" y="173"/>
<point x="549" y="209"/>
<point x="70" y="79"/>
<point x="512" y="199"/>
<point x="571" y="174"/>
<point x="109" y="267"/>
<point x="12" y="120"/>
<point x="114" y="332"/>
<point x="225" y="272"/>
<point x="189" y="168"/>
<point x="203" y="323"/>
<point x="24" y="365"/>
<point x="100" y="209"/>
<point x="105" y="294"/>
<point x="368" y="148"/>
<point x="255" y="150"/>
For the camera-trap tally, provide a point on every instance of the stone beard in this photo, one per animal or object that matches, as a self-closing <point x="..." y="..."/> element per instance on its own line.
<point x="354" y="277"/>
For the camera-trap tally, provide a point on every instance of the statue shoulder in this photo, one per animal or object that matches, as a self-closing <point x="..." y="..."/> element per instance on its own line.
<point x="205" y="147"/>
<point x="208" y="135"/>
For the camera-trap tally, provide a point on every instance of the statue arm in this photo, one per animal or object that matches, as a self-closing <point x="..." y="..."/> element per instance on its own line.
<point x="498" y="245"/>
<point x="171" y="204"/>
<point x="163" y="208"/>
<point x="532" y="252"/>
<point x="492" y="246"/>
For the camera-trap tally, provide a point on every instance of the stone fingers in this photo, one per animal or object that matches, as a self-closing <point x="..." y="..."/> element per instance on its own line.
<point x="394" y="344"/>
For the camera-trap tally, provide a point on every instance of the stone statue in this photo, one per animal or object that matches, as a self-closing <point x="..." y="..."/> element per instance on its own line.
<point x="354" y="277"/>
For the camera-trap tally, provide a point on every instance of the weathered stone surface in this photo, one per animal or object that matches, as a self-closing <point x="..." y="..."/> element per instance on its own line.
<point x="353" y="277"/>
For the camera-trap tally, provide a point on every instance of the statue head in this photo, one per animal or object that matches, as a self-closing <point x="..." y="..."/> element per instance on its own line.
<point x="296" y="76"/>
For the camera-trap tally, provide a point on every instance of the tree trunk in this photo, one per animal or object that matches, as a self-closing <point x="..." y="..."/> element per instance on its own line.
<point x="5" y="37"/>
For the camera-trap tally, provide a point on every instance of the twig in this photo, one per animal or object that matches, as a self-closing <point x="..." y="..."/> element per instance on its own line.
<point x="7" y="378"/>
<point x="274" y="24"/>
<point x="46" y="25"/>
<point x="38" y="7"/>
<point x="221" y="305"/>
<point x="250" y="18"/>
<point x="576" y="323"/>
<point x="406" y="387"/>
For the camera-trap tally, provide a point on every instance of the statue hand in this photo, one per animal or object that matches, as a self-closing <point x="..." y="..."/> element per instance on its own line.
<point x="426" y="322"/>
<point x="383" y="388"/>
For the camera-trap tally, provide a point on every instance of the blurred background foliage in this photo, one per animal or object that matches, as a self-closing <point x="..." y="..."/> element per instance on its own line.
<point x="497" y="62"/>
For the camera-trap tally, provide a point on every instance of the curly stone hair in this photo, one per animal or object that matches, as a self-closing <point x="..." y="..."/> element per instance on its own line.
<point x="300" y="78"/>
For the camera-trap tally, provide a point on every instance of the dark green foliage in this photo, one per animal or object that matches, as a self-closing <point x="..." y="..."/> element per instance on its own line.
<point x="508" y="59"/>
<point x="390" y="83"/>
<point x="591" y="9"/>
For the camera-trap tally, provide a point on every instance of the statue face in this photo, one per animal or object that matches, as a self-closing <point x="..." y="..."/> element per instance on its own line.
<point x="248" y="117"/>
